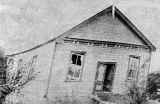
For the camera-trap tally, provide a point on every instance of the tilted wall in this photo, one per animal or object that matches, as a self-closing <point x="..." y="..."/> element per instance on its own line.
<point x="34" y="91"/>
<point x="62" y="91"/>
<point x="60" y="88"/>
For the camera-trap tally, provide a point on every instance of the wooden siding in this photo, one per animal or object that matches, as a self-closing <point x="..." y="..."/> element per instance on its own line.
<point x="107" y="28"/>
<point x="35" y="90"/>
<point x="59" y="87"/>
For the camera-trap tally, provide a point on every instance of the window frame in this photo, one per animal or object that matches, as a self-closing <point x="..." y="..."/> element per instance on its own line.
<point x="19" y="64"/>
<point x="130" y="78"/>
<point x="32" y="65"/>
<point x="69" y="64"/>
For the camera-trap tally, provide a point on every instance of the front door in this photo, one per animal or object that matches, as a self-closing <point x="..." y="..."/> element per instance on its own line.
<point x="104" y="76"/>
<point x="99" y="78"/>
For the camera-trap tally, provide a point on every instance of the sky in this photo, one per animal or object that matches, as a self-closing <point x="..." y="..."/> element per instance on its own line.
<point x="27" y="23"/>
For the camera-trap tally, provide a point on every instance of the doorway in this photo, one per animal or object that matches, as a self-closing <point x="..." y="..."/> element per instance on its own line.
<point x="104" y="76"/>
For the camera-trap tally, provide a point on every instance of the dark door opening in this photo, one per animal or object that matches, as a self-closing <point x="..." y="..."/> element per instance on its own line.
<point x="104" y="76"/>
<point x="108" y="78"/>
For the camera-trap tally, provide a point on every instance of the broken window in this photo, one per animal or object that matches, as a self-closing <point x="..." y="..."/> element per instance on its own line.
<point x="75" y="66"/>
<point x="133" y="67"/>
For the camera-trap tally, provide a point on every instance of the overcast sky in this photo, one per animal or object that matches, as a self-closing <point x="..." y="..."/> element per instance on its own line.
<point x="27" y="23"/>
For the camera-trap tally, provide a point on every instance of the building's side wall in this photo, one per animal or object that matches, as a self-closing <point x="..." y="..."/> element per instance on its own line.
<point x="107" y="28"/>
<point x="35" y="90"/>
<point x="61" y="89"/>
<point x="3" y="62"/>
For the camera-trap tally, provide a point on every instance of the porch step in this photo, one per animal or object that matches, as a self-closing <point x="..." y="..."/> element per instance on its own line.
<point x="99" y="100"/>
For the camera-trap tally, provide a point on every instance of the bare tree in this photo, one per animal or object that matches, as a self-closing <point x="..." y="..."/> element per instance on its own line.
<point x="13" y="80"/>
<point x="137" y="91"/>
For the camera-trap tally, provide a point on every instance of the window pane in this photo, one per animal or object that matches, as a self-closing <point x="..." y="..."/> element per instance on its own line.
<point x="19" y="64"/>
<point x="79" y="61"/>
<point x="133" y="63"/>
<point x="77" y="72"/>
<point x="74" y="58"/>
<point x="71" y="72"/>
<point x="32" y="65"/>
<point x="133" y="74"/>
<point x="130" y="73"/>
<point x="133" y="66"/>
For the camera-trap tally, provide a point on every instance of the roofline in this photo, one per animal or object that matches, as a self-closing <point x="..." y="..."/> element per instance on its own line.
<point x="139" y="33"/>
<point x="63" y="35"/>
<point x="32" y="48"/>
<point x="67" y="33"/>
<point x="135" y="29"/>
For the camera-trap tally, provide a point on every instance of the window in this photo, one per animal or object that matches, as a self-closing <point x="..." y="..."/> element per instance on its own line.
<point x="19" y="64"/>
<point x="75" y="66"/>
<point x="32" y="65"/>
<point x="133" y="67"/>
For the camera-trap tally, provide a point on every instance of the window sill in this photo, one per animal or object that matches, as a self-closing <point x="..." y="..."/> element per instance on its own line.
<point x="130" y="79"/>
<point x="103" y="92"/>
<point x="73" y="81"/>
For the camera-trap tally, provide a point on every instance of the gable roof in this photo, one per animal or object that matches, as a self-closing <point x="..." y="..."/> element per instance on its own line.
<point x="153" y="48"/>
<point x="109" y="9"/>
<point x="119" y="13"/>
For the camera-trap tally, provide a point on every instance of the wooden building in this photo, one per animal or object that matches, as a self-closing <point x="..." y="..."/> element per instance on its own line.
<point x="97" y="56"/>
